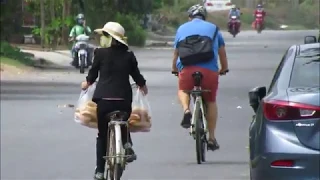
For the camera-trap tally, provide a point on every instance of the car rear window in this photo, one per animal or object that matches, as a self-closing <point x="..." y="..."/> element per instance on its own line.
<point x="306" y="69"/>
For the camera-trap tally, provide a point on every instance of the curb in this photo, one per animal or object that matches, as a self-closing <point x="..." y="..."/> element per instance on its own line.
<point x="159" y="44"/>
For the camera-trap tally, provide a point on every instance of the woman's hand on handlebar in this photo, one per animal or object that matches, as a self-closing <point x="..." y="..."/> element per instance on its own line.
<point x="84" y="85"/>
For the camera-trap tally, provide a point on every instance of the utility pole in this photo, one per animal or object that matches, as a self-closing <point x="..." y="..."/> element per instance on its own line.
<point x="42" y="14"/>
<point x="249" y="3"/>
<point x="295" y="3"/>
<point x="176" y="4"/>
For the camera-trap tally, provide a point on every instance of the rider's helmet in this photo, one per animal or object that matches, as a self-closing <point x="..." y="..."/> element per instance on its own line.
<point x="80" y="19"/>
<point x="233" y="7"/>
<point x="197" y="10"/>
<point x="259" y="6"/>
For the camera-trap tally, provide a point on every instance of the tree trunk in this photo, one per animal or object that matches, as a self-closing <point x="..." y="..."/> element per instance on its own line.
<point x="42" y="15"/>
<point x="65" y="13"/>
<point x="52" y="9"/>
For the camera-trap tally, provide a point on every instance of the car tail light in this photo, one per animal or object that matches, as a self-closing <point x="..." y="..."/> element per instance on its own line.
<point x="285" y="110"/>
<point x="209" y="4"/>
<point x="283" y="163"/>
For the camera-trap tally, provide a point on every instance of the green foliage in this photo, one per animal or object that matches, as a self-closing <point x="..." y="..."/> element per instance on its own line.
<point x="53" y="30"/>
<point x="14" y="53"/>
<point x="309" y="13"/>
<point x="157" y="4"/>
<point x="136" y="35"/>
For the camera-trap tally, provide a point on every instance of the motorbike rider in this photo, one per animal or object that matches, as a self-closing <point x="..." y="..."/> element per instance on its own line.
<point x="78" y="29"/>
<point x="234" y="11"/>
<point x="259" y="10"/>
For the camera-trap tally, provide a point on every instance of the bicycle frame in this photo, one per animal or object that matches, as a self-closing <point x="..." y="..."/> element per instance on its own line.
<point x="120" y="152"/>
<point x="196" y="109"/>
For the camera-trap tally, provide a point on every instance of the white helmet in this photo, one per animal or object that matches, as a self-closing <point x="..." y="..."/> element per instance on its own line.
<point x="233" y="6"/>
<point x="197" y="10"/>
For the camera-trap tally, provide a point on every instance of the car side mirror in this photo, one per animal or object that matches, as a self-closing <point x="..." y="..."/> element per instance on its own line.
<point x="255" y="96"/>
<point x="310" y="39"/>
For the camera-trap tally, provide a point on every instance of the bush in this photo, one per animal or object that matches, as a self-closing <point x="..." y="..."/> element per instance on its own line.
<point x="14" y="53"/>
<point x="135" y="33"/>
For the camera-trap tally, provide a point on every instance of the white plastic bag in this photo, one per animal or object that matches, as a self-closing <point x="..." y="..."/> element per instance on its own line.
<point x="85" y="96"/>
<point x="85" y="113"/>
<point x="140" y="118"/>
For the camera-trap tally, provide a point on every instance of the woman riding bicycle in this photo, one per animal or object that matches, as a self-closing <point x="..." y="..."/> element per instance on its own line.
<point x="113" y="91"/>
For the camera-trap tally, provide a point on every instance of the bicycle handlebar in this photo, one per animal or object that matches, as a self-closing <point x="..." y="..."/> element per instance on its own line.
<point x="221" y="73"/>
<point x="174" y="73"/>
<point x="224" y="72"/>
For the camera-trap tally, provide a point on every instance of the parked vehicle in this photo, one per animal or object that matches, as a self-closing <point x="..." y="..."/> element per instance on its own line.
<point x="217" y="5"/>
<point x="284" y="135"/>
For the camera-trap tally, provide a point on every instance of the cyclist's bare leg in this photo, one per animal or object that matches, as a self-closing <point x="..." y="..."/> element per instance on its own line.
<point x="185" y="102"/>
<point x="212" y="117"/>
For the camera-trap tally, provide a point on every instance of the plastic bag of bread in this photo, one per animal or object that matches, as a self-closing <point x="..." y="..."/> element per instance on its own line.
<point x="140" y="118"/>
<point x="86" y="110"/>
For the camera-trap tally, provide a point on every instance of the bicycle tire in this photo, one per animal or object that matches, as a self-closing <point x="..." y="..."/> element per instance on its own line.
<point x="117" y="172"/>
<point x="114" y="168"/>
<point x="198" y="135"/>
<point x="203" y="138"/>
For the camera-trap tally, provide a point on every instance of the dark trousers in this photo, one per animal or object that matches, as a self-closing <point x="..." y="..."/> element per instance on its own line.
<point x="103" y="108"/>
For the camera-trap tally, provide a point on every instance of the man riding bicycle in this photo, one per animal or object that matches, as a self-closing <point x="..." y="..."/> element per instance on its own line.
<point x="211" y="40"/>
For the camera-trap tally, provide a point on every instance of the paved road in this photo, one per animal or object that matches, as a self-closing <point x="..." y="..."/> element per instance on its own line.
<point x="39" y="139"/>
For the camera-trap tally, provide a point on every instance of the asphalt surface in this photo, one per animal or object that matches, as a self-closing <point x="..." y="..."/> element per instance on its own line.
<point x="40" y="140"/>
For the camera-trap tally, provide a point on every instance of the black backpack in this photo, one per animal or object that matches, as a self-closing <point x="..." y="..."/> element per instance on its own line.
<point x="196" y="49"/>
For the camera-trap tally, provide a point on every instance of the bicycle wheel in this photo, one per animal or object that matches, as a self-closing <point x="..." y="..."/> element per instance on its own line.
<point x="203" y="138"/>
<point x="114" y="167"/>
<point x="204" y="134"/>
<point x="199" y="133"/>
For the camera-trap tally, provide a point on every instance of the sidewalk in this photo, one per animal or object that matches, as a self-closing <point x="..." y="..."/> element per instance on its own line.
<point x="50" y="58"/>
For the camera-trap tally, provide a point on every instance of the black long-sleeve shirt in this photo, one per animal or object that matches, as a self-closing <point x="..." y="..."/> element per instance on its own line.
<point x="114" y="66"/>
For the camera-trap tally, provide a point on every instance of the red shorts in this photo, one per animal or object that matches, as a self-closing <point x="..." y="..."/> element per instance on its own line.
<point x="209" y="81"/>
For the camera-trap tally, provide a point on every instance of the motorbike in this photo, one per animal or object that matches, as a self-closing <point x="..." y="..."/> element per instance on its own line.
<point x="259" y="23"/>
<point x="82" y="52"/>
<point x="234" y="26"/>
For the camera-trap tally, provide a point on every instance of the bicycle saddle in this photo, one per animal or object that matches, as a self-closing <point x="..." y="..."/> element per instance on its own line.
<point x="197" y="77"/>
<point x="117" y="115"/>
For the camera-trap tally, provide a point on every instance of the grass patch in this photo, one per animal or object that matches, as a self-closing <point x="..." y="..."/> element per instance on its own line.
<point x="14" y="56"/>
<point x="11" y="62"/>
<point x="306" y="16"/>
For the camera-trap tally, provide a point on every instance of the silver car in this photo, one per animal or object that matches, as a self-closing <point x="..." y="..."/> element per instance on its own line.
<point x="284" y="135"/>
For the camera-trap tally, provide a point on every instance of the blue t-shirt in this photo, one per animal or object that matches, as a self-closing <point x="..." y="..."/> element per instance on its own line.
<point x="203" y="28"/>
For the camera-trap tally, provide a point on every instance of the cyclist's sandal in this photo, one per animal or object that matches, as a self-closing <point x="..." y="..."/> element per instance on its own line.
<point x="213" y="145"/>
<point x="99" y="176"/>
<point x="131" y="155"/>
<point x="186" y="120"/>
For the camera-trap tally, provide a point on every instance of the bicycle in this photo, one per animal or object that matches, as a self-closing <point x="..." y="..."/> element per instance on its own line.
<point x="199" y="127"/>
<point x="115" y="156"/>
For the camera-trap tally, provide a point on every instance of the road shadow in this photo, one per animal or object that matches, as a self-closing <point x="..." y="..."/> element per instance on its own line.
<point x="226" y="163"/>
